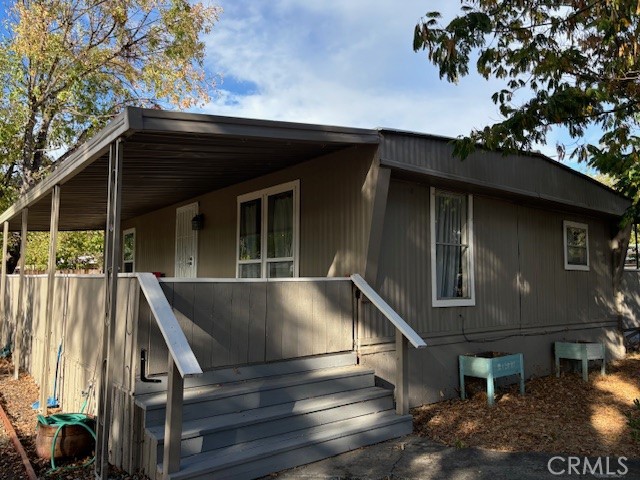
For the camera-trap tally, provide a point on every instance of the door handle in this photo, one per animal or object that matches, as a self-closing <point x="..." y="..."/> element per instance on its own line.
<point x="190" y="261"/>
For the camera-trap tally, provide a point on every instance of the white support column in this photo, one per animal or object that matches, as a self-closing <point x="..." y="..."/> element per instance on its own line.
<point x="51" y="278"/>
<point x="111" y="267"/>
<point x="3" y="280"/>
<point x="173" y="422"/>
<point x="17" y="342"/>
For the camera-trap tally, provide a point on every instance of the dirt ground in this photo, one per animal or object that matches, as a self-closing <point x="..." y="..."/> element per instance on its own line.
<point x="556" y="415"/>
<point x="16" y="398"/>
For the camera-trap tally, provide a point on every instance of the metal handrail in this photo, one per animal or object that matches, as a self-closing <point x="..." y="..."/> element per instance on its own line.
<point x="404" y="335"/>
<point x="182" y="363"/>
<point x="179" y="348"/>
<point x="384" y="308"/>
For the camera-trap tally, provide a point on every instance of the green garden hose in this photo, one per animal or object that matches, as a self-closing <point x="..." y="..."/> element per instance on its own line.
<point x="62" y="420"/>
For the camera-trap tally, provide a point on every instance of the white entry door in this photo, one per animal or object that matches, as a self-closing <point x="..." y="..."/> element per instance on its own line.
<point x="186" y="242"/>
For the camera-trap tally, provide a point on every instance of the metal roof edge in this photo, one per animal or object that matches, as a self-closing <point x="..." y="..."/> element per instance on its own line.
<point x="414" y="169"/>
<point x="165" y="120"/>
<point x="540" y="155"/>
<point x="68" y="168"/>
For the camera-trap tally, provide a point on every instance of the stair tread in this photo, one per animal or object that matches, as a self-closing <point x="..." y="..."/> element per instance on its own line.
<point x="227" y="457"/>
<point x="208" y="392"/>
<point x="193" y="428"/>
<point x="248" y="372"/>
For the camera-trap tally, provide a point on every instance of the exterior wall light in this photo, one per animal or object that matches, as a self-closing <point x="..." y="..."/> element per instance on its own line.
<point x="197" y="222"/>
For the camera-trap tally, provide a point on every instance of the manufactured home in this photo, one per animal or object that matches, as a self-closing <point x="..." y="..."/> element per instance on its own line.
<point x="275" y="293"/>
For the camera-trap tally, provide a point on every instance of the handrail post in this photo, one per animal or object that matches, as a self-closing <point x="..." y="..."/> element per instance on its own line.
<point x="402" y="374"/>
<point x="173" y="421"/>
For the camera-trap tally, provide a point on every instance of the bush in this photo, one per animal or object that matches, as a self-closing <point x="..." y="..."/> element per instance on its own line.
<point x="633" y="420"/>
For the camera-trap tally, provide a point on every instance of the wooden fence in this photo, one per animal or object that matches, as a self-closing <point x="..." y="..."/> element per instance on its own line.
<point x="76" y="325"/>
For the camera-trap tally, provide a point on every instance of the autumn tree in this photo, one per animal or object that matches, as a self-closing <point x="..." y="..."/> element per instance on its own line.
<point x="68" y="66"/>
<point x="573" y="64"/>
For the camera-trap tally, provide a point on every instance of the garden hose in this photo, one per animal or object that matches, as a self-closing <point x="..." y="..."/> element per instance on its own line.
<point x="62" y="420"/>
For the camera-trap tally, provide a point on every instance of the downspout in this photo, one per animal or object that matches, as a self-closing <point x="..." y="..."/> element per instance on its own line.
<point x="111" y="268"/>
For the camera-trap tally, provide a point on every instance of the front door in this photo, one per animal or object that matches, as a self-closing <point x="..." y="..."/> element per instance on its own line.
<point x="186" y="242"/>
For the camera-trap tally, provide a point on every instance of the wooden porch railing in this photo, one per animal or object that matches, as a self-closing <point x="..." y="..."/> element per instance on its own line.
<point x="182" y="363"/>
<point x="404" y="335"/>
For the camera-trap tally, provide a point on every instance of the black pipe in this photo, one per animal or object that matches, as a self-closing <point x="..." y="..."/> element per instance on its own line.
<point x="143" y="369"/>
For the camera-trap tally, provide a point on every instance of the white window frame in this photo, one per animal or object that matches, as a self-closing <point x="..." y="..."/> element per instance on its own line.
<point x="263" y="195"/>
<point x="451" y="302"/>
<point x="126" y="232"/>
<point x="567" y="265"/>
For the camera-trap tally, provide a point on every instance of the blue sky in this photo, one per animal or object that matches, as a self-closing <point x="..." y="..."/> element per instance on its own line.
<point x="341" y="62"/>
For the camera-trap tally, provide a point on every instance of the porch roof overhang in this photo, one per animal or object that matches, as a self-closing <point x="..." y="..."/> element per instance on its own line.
<point x="170" y="157"/>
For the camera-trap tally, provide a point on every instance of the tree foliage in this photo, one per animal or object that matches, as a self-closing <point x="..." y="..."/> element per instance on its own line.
<point x="573" y="64"/>
<point x="68" y="66"/>
<point x="76" y="250"/>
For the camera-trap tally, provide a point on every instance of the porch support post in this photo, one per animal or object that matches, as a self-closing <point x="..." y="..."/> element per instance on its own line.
<point x="402" y="374"/>
<point x="111" y="266"/>
<point x="173" y="423"/>
<point x="17" y="342"/>
<point x="51" y="279"/>
<point x="380" y="178"/>
<point x="3" y="280"/>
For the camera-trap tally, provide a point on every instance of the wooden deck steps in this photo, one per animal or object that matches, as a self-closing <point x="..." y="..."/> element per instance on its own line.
<point x="266" y="418"/>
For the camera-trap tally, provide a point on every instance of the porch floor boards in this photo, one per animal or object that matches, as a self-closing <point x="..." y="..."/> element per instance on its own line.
<point x="272" y="417"/>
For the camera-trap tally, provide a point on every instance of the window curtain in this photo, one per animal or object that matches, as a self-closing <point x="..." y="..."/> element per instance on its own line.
<point x="280" y="242"/>
<point x="449" y="237"/>
<point x="250" y="213"/>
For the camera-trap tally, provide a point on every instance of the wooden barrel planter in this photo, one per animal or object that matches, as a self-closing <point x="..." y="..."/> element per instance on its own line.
<point x="73" y="440"/>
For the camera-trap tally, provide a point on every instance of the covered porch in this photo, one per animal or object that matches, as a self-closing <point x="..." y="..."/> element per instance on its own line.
<point x="143" y="162"/>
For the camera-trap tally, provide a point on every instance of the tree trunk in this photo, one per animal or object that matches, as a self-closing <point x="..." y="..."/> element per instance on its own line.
<point x="619" y="246"/>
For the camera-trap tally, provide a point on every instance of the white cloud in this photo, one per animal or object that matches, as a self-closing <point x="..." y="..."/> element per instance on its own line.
<point x="340" y="62"/>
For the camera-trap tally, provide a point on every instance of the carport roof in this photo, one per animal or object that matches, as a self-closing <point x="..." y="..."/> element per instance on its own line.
<point x="170" y="157"/>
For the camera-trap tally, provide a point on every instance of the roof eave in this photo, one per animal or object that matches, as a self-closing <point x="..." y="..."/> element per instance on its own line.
<point x="86" y="153"/>
<point x="492" y="187"/>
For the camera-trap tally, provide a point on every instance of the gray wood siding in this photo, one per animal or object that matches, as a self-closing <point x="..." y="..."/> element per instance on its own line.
<point x="335" y="212"/>
<point x="524" y="175"/>
<point x="434" y="370"/>
<point x="233" y="323"/>
<point x="520" y="280"/>
<point x="631" y="298"/>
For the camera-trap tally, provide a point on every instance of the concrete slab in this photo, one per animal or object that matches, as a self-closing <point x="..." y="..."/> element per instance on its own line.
<point x="413" y="457"/>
